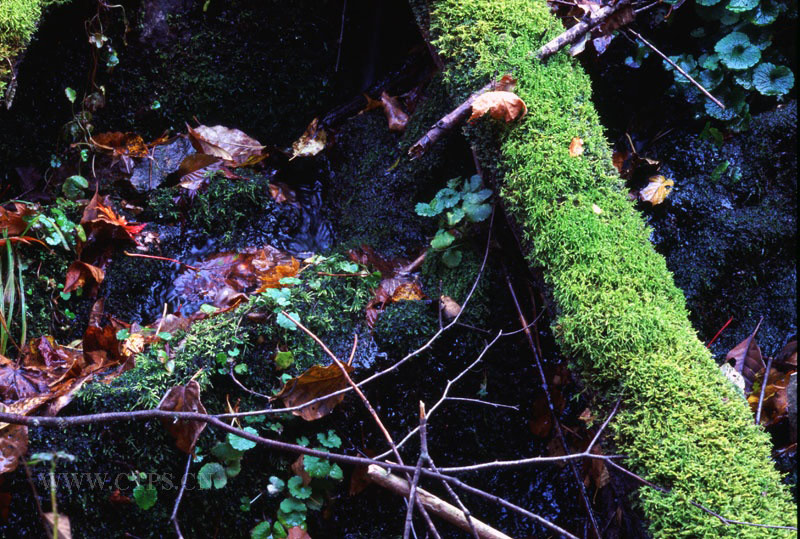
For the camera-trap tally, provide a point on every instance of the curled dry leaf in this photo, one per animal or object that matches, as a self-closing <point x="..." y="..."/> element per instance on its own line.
<point x="315" y="382"/>
<point x="450" y="308"/>
<point x="500" y="105"/>
<point x="576" y="147"/>
<point x="230" y="145"/>
<point x="83" y="275"/>
<point x="311" y="142"/>
<point x="395" y="115"/>
<point x="13" y="445"/>
<point x="656" y="190"/>
<point x="747" y="360"/>
<point x="195" y="170"/>
<point x="183" y="399"/>
<point x="63" y="526"/>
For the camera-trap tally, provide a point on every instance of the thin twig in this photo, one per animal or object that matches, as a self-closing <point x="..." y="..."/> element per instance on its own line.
<point x="174" y="516"/>
<point x="486" y="403"/>
<point x="559" y="433"/>
<point x="677" y="67"/>
<point x="248" y="390"/>
<point x="164" y="258"/>
<point x="341" y="38"/>
<point x="763" y="391"/>
<point x="412" y="493"/>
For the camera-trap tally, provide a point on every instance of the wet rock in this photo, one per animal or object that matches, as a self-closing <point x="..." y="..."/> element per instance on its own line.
<point x="148" y="174"/>
<point x="155" y="26"/>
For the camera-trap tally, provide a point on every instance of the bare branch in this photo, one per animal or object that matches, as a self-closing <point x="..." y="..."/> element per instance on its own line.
<point x="486" y="403"/>
<point x="174" y="516"/>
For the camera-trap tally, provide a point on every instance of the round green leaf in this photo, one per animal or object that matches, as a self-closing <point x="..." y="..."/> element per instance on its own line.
<point x="707" y="2"/>
<point x="426" y="209"/>
<point x="770" y="79"/>
<point x="242" y="444"/>
<point x="145" y="496"/>
<point x="212" y="473"/>
<point x="709" y="79"/>
<point x="766" y="13"/>
<point x="477" y="213"/>
<point x="442" y="240"/>
<point x="284" y="360"/>
<point x="261" y="531"/>
<point x="448" y="197"/>
<point x="70" y="93"/>
<point x="73" y="187"/>
<point x="291" y="505"/>
<point x="336" y="472"/>
<point x="736" y="51"/>
<point x="297" y="489"/>
<point x="738" y="6"/>
<point x="452" y="258"/>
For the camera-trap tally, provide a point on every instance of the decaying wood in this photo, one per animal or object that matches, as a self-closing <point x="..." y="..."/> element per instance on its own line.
<point x="433" y="504"/>
<point x="458" y="115"/>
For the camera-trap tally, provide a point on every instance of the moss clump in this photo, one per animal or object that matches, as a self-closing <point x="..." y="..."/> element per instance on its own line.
<point x="456" y="283"/>
<point x="405" y="326"/>
<point x="620" y="315"/>
<point x="18" y="21"/>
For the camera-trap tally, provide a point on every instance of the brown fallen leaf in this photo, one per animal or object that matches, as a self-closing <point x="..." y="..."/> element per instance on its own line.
<point x="746" y="358"/>
<point x="13" y="446"/>
<point x="395" y="115"/>
<point x="787" y="357"/>
<point x="656" y="190"/>
<point x="598" y="472"/>
<point x="500" y="105"/>
<point x="63" y="527"/>
<point x="228" y="144"/>
<point x="280" y="193"/>
<point x="296" y="532"/>
<point x="450" y="307"/>
<point x="774" y="408"/>
<point x="315" y="382"/>
<point x="183" y="399"/>
<point x="83" y="275"/>
<point x="196" y="169"/>
<point x="299" y="469"/>
<point x="311" y="142"/>
<point x="576" y="147"/>
<point x="13" y="221"/>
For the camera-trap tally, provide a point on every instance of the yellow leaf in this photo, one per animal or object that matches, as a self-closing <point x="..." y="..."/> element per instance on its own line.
<point x="657" y="190"/>
<point x="505" y="106"/>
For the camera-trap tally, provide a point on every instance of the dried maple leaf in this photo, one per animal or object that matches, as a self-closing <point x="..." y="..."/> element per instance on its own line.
<point x="500" y="105"/>
<point x="311" y="142"/>
<point x="228" y="144"/>
<point x="80" y="274"/>
<point x="183" y="399"/>
<point x="576" y="147"/>
<point x="315" y="382"/>
<point x="657" y="190"/>
<point x="20" y="382"/>
<point x="100" y="221"/>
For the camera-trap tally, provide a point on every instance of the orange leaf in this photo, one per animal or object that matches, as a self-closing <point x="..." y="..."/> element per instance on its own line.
<point x="500" y="105"/>
<point x="576" y="147"/>
<point x="395" y="115"/>
<point x="13" y="221"/>
<point x="314" y="383"/>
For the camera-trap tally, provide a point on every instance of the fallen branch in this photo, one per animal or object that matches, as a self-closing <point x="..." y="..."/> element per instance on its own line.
<point x="435" y="505"/>
<point x="458" y="115"/>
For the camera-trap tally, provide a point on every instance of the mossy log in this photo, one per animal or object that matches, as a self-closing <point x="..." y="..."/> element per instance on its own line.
<point x="620" y="317"/>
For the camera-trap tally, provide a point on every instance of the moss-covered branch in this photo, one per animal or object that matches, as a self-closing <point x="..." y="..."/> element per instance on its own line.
<point x="621" y="318"/>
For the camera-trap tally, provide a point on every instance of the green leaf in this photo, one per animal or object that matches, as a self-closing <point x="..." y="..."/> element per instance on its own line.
<point x="70" y="93"/>
<point x="261" y="531"/>
<point x="478" y="197"/>
<point x="290" y="281"/>
<point x="233" y="469"/>
<point x="244" y="504"/>
<point x="242" y="444"/>
<point x="331" y="440"/>
<point x="770" y="79"/>
<point x="453" y="183"/>
<point x="303" y="441"/>
<point x="336" y="472"/>
<point x="454" y="217"/>
<point x="442" y="240"/>
<point x="145" y="496"/>
<point x="707" y="2"/>
<point x="280" y="296"/>
<point x="73" y="187"/>
<point x="452" y="258"/>
<point x="448" y="197"/>
<point x="212" y="473"/>
<point x="474" y="183"/>
<point x="739" y="6"/>
<point x="297" y="489"/>
<point x="292" y="505"/>
<point x="766" y="13"/>
<point x="477" y="213"/>
<point x="284" y="322"/>
<point x="123" y="334"/>
<point x="284" y="360"/>
<point x="208" y="309"/>
<point x="165" y="335"/>
<point x="710" y="79"/>
<point x="736" y="51"/>
<point x="241" y="368"/>
<point x="279" y="531"/>
<point x="275" y="485"/>
<point x="316" y="467"/>
<point x="426" y="209"/>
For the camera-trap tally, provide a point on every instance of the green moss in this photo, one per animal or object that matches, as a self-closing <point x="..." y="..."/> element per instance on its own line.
<point x="18" y="21"/>
<point x="620" y="315"/>
<point x="405" y="326"/>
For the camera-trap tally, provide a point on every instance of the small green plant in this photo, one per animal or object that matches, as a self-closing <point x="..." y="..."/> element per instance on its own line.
<point x="737" y="58"/>
<point x="456" y="209"/>
<point x="144" y="493"/>
<point x="53" y="459"/>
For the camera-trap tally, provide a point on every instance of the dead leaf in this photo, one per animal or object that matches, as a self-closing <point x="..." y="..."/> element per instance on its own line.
<point x="315" y="382"/>
<point x="619" y="18"/>
<point x="64" y="530"/>
<point x="297" y="532"/>
<point x="787" y="357"/>
<point x="395" y="115"/>
<point x="576" y="147"/>
<point x="117" y="497"/>
<point x="774" y="407"/>
<point x="598" y="472"/>
<point x="280" y="193"/>
<point x="13" y="446"/>
<point x="311" y="142"/>
<point x="746" y="358"/>
<point x="83" y="275"/>
<point x="183" y="399"/>
<point x="13" y="221"/>
<point x="657" y="190"/>
<point x="228" y="144"/>
<point x="410" y="291"/>
<point x="450" y="307"/>
<point x="299" y="469"/>
<point x="196" y="169"/>
<point x="127" y="144"/>
<point x="500" y="105"/>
